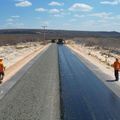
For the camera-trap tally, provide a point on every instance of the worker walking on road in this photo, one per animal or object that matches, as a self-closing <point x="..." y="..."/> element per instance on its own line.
<point x="116" y="66"/>
<point x="2" y="69"/>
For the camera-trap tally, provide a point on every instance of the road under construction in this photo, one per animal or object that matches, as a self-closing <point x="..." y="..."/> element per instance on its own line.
<point x="57" y="85"/>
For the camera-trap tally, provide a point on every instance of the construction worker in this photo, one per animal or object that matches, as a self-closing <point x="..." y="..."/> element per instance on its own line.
<point x="2" y="69"/>
<point x="116" y="66"/>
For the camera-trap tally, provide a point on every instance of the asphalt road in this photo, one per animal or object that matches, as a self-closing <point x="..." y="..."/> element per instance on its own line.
<point x="83" y="95"/>
<point x="35" y="96"/>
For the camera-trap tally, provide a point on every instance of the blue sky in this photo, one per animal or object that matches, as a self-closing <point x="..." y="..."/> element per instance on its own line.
<point x="90" y="15"/>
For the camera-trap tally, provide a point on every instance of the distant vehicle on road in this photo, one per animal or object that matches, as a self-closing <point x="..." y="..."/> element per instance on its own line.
<point x="53" y="41"/>
<point x="60" y="41"/>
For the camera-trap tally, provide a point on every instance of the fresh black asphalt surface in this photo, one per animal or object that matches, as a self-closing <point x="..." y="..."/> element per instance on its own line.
<point x="83" y="95"/>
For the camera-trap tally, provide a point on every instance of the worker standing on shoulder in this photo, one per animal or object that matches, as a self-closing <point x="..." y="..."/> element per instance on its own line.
<point x="2" y="69"/>
<point x="116" y="66"/>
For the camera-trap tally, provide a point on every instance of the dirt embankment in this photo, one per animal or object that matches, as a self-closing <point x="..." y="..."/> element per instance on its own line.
<point x="103" y="49"/>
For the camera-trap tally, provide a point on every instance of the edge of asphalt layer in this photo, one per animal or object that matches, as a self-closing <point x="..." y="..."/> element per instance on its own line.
<point x="50" y="110"/>
<point x="61" y="100"/>
<point x="100" y="74"/>
<point x="5" y="87"/>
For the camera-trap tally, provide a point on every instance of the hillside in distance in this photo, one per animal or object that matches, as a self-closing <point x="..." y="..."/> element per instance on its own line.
<point x="13" y="36"/>
<point x="61" y="33"/>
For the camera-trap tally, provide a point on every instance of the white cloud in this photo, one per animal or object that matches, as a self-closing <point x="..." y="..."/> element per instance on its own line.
<point x="66" y="24"/>
<point x="73" y="20"/>
<point x="24" y="3"/>
<point x="14" y="25"/>
<point x="54" y="11"/>
<point x="46" y="23"/>
<point x="8" y="25"/>
<point x="80" y="7"/>
<point x="117" y="16"/>
<point x="15" y="16"/>
<point x="40" y="10"/>
<point x="58" y="15"/>
<point x="61" y="13"/>
<point x="101" y="15"/>
<point x="38" y="18"/>
<point x="10" y="20"/>
<point x="114" y="2"/>
<point x="20" y="24"/>
<point x="14" y="22"/>
<point x="79" y="16"/>
<point x="53" y="3"/>
<point x="19" y="0"/>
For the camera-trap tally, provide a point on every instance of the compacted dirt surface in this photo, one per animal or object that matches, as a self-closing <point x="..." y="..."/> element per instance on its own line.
<point x="35" y="96"/>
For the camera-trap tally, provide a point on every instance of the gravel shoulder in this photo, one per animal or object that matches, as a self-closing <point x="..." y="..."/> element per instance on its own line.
<point x="36" y="95"/>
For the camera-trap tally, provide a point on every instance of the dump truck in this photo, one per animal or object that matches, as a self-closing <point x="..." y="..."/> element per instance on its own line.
<point x="60" y="41"/>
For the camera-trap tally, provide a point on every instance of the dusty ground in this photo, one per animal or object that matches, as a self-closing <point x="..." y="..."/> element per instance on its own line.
<point x="16" y="56"/>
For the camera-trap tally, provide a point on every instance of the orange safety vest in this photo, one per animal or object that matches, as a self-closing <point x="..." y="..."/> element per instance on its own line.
<point x="116" y="65"/>
<point x="1" y="67"/>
